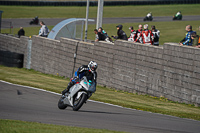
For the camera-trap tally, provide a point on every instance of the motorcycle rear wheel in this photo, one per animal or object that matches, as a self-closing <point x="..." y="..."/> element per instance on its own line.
<point x="78" y="103"/>
<point x="61" y="105"/>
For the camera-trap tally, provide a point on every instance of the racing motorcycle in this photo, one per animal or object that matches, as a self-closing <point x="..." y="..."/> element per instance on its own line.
<point x="78" y="94"/>
<point x="148" y="18"/>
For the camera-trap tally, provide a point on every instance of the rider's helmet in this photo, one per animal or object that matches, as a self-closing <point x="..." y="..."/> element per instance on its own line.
<point x="92" y="66"/>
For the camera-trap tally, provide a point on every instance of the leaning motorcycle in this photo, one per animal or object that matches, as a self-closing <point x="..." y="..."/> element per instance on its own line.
<point x="78" y="94"/>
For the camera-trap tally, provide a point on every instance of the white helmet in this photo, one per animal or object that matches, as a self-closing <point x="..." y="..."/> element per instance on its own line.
<point x="92" y="66"/>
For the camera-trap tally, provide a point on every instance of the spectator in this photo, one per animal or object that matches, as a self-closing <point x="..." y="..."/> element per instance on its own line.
<point x="196" y="40"/>
<point x="21" y="32"/>
<point x="99" y="36"/>
<point x="121" y="34"/>
<point x="147" y="36"/>
<point x="132" y="36"/>
<point x="187" y="40"/>
<point x="108" y="39"/>
<point x="138" y="32"/>
<point x="43" y="30"/>
<point x="103" y="31"/>
<point x="156" y="35"/>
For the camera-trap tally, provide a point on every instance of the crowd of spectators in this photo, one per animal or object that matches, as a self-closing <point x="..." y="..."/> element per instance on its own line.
<point x="146" y="36"/>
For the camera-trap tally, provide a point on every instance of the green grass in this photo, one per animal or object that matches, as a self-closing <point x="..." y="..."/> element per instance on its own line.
<point x="140" y="102"/>
<point x="14" y="126"/>
<point x="109" y="11"/>
<point x="170" y="31"/>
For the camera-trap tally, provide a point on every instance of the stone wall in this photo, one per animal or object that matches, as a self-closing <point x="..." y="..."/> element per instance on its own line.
<point x="171" y="71"/>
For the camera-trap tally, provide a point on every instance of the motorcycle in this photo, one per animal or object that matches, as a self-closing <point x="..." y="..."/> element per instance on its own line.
<point x="78" y="94"/>
<point x="148" y="18"/>
<point x="177" y="18"/>
<point x="34" y="21"/>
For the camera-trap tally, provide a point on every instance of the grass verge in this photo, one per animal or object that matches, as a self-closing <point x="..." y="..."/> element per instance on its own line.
<point x="108" y="12"/>
<point x="14" y="126"/>
<point x="169" y="31"/>
<point x="140" y="102"/>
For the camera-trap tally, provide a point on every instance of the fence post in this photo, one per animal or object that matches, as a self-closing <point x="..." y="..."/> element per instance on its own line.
<point x="0" y="19"/>
<point x="28" y="63"/>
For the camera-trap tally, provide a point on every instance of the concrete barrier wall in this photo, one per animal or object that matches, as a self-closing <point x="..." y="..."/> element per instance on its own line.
<point x="171" y="71"/>
<point x="13" y="44"/>
<point x="181" y="77"/>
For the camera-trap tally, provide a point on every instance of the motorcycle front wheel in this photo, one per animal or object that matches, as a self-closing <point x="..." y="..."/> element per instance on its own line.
<point x="61" y="105"/>
<point x="78" y="103"/>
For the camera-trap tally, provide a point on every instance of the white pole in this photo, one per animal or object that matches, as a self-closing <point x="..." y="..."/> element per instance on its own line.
<point x="100" y="13"/>
<point x="86" y="22"/>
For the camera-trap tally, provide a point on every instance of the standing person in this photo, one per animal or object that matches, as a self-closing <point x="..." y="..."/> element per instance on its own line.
<point x="187" y="40"/>
<point x="156" y="35"/>
<point x="121" y="34"/>
<point x="138" y="32"/>
<point x="147" y="36"/>
<point x="21" y="32"/>
<point x="132" y="36"/>
<point x="43" y="30"/>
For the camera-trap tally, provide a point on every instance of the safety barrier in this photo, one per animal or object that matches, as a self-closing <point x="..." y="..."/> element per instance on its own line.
<point x="95" y="3"/>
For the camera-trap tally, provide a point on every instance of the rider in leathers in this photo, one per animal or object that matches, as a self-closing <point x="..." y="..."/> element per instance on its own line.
<point x="85" y="70"/>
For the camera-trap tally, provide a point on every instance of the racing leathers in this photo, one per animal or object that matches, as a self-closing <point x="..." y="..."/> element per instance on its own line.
<point x="138" y="38"/>
<point x="132" y="36"/>
<point x="188" y="40"/>
<point x="156" y="35"/>
<point x="147" y="37"/>
<point x="82" y="71"/>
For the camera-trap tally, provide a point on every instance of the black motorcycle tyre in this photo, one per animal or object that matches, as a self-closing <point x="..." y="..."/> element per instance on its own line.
<point x="61" y="105"/>
<point x="80" y="103"/>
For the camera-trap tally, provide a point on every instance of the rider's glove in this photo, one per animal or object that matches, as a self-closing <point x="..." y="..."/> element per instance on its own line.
<point x="77" y="80"/>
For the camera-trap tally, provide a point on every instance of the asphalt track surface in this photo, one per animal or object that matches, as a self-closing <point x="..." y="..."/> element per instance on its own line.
<point x="30" y="104"/>
<point x="24" y="22"/>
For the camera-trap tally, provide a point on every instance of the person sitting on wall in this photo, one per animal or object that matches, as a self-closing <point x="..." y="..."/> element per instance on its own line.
<point x="99" y="36"/>
<point x="108" y="39"/>
<point x="21" y="32"/>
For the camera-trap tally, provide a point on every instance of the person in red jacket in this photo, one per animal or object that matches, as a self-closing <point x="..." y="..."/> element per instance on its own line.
<point x="147" y="36"/>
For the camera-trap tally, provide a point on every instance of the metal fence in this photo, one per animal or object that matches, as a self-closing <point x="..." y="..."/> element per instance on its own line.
<point x="94" y="2"/>
<point x="7" y="25"/>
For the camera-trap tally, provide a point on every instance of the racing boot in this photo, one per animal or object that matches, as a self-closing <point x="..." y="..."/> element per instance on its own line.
<point x="70" y="84"/>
